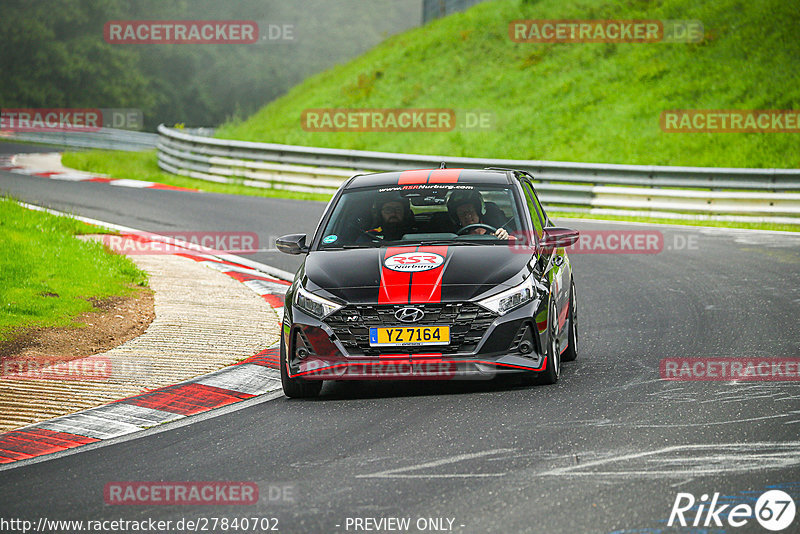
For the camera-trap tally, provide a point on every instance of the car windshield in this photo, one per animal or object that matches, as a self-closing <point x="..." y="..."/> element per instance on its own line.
<point x="467" y="214"/>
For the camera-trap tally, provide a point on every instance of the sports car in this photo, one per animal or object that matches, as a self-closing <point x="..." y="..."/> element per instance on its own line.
<point x="430" y="274"/>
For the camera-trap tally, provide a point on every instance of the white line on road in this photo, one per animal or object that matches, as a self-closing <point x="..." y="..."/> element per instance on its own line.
<point x="398" y="472"/>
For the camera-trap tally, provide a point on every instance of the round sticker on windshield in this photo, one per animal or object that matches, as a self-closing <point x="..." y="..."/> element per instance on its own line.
<point x="411" y="262"/>
<point x="329" y="239"/>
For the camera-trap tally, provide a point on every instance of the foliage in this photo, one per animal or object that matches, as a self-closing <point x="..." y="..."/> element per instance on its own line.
<point x="53" y="54"/>
<point x="590" y="102"/>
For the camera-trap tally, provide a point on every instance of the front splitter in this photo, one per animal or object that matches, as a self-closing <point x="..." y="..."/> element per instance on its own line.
<point x="406" y="368"/>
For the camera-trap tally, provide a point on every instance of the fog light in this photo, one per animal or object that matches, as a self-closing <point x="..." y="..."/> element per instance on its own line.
<point x="302" y="347"/>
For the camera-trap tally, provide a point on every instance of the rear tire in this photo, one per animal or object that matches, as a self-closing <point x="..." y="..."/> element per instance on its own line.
<point x="297" y="388"/>
<point x="572" y="348"/>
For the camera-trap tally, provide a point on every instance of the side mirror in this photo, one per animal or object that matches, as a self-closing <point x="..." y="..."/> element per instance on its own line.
<point x="556" y="237"/>
<point x="292" y="244"/>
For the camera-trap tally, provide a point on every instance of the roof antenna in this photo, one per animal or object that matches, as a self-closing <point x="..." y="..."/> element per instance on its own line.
<point x="443" y="165"/>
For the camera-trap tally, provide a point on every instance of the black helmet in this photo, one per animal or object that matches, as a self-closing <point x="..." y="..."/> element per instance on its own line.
<point x="458" y="198"/>
<point x="384" y="198"/>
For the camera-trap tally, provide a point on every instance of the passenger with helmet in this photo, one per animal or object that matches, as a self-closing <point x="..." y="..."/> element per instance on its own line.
<point x="468" y="208"/>
<point x="394" y="217"/>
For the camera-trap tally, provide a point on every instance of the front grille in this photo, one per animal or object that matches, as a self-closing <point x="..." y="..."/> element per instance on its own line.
<point x="468" y="323"/>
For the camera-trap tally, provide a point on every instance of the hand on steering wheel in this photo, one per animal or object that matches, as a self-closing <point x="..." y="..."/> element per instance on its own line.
<point x="470" y="227"/>
<point x="499" y="233"/>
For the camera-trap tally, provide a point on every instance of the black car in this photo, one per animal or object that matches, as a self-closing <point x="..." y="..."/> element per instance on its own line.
<point x="429" y="274"/>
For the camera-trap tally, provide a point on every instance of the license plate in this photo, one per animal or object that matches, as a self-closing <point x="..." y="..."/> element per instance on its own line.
<point x="409" y="335"/>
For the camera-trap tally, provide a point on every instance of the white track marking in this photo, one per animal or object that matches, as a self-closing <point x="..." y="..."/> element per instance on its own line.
<point x="719" y="458"/>
<point x="399" y="472"/>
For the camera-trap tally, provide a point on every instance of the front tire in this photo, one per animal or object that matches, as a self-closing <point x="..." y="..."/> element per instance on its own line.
<point x="572" y="347"/>
<point x="297" y="388"/>
<point x="552" y="368"/>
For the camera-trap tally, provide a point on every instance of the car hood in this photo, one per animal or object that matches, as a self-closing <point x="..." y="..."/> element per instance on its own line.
<point x="393" y="275"/>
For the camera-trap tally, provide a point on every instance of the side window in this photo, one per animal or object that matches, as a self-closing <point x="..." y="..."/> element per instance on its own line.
<point x="542" y="213"/>
<point x="537" y="215"/>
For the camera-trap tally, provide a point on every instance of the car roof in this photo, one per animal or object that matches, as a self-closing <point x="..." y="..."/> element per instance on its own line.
<point x="430" y="176"/>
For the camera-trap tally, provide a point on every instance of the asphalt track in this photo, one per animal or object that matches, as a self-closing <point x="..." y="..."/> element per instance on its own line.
<point x="605" y="450"/>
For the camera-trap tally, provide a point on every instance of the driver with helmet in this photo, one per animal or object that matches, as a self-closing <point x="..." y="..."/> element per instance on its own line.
<point x="394" y="217"/>
<point x="467" y="208"/>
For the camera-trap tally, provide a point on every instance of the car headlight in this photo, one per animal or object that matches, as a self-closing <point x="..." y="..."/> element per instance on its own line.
<point x="509" y="299"/>
<point x="314" y="305"/>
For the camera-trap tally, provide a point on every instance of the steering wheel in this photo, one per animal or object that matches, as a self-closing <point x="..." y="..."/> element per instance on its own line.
<point x="468" y="228"/>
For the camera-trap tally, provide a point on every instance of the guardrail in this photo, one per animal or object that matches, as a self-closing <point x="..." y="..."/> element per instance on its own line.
<point x="768" y="195"/>
<point x="105" y="138"/>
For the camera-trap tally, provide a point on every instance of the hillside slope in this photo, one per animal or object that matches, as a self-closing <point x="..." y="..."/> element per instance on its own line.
<point x="595" y="102"/>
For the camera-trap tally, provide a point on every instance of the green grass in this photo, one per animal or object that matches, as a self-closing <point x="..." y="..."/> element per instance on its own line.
<point x="47" y="275"/>
<point x="26" y="142"/>
<point x="143" y="166"/>
<point x="590" y="102"/>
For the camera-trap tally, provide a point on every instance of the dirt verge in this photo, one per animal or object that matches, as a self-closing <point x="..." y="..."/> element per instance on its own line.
<point x="112" y="322"/>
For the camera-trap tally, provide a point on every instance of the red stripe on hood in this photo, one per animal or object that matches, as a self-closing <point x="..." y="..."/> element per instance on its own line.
<point x="426" y="286"/>
<point x="413" y="177"/>
<point x="444" y="176"/>
<point x="394" y="284"/>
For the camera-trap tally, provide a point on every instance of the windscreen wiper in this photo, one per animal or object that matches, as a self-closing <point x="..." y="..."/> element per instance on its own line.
<point x="448" y="242"/>
<point x="343" y="247"/>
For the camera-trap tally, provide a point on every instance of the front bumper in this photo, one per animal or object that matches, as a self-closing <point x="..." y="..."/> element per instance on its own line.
<point x="315" y="352"/>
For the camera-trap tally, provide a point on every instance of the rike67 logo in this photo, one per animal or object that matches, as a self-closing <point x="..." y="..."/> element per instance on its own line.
<point x="774" y="510"/>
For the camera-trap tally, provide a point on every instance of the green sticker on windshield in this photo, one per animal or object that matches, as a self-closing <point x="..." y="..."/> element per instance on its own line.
<point x="329" y="239"/>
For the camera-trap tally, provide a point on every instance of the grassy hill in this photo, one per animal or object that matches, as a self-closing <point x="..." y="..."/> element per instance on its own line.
<point x="595" y="102"/>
